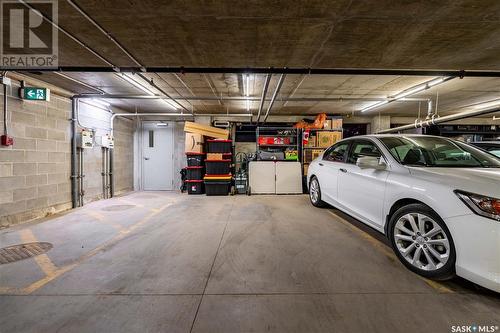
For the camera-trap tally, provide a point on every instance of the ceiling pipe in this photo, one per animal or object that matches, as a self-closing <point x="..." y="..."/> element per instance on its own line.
<point x="430" y="110"/>
<point x="440" y="120"/>
<point x="142" y="76"/>
<point x="258" y="70"/>
<point x="163" y="114"/>
<point x="107" y="34"/>
<point x="238" y="98"/>
<point x="264" y="93"/>
<point x="276" y="91"/>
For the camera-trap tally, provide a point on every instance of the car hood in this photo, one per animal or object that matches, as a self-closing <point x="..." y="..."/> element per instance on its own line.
<point x="484" y="181"/>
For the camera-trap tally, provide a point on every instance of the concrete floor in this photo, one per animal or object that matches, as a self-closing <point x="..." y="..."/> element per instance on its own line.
<point x="166" y="262"/>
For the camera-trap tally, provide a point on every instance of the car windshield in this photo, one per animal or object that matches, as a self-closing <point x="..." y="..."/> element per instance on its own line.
<point x="432" y="151"/>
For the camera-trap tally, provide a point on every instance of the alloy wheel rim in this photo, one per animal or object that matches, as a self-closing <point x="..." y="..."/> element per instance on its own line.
<point x="421" y="241"/>
<point x="314" y="191"/>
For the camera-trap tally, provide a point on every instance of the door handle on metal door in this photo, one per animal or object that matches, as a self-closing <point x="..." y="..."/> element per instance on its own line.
<point x="146" y="158"/>
<point x="320" y="164"/>
<point x="343" y="170"/>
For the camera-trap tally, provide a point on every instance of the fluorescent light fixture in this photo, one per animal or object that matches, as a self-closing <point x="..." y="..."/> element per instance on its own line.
<point x="161" y="124"/>
<point x="373" y="106"/>
<point x="247" y="102"/>
<point x="148" y="91"/>
<point x="410" y="92"/>
<point x="248" y="85"/>
<point x="488" y="104"/>
<point x="170" y="103"/>
<point x="136" y="83"/>
<point x="436" y="81"/>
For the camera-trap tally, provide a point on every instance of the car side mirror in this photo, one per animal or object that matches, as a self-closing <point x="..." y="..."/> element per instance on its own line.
<point x="371" y="162"/>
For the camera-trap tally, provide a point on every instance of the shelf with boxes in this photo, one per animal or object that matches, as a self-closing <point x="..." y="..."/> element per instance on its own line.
<point x="209" y="159"/>
<point x="277" y="143"/>
<point x="316" y="141"/>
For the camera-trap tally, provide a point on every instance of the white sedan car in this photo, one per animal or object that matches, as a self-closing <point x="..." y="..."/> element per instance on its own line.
<point x="436" y="199"/>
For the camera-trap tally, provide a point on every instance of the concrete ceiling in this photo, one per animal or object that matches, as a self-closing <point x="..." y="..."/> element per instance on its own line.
<point x="453" y="34"/>
<point x="447" y="34"/>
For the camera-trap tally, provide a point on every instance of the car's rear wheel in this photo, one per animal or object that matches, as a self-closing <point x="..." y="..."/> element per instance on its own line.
<point x="315" y="193"/>
<point x="422" y="242"/>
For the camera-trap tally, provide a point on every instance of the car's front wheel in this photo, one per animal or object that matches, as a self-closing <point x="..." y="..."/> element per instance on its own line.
<point x="315" y="193"/>
<point x="422" y="242"/>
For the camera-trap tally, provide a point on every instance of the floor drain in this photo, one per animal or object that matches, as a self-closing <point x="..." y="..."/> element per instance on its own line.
<point x="117" y="207"/>
<point x="22" y="251"/>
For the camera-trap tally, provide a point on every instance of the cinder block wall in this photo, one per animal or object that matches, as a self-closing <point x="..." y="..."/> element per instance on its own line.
<point x="35" y="172"/>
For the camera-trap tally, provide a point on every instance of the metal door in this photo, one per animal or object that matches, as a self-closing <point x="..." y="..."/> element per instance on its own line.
<point x="157" y="157"/>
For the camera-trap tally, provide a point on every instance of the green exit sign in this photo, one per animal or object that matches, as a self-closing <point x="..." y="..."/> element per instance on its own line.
<point x="35" y="94"/>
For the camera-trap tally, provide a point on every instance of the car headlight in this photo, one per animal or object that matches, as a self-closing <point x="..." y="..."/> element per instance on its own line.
<point x="481" y="204"/>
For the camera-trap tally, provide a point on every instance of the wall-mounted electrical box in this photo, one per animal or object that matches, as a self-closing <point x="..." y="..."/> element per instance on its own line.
<point x="6" y="140"/>
<point x="106" y="141"/>
<point x="85" y="139"/>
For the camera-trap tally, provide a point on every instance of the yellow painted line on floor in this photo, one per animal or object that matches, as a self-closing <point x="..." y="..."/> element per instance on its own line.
<point x="42" y="260"/>
<point x="57" y="273"/>
<point x="7" y="290"/>
<point x="98" y="216"/>
<point x="376" y="243"/>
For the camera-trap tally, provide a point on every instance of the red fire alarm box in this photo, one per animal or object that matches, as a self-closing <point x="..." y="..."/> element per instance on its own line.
<point x="6" y="140"/>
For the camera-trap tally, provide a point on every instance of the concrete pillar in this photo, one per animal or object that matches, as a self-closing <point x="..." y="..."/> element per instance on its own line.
<point x="379" y="123"/>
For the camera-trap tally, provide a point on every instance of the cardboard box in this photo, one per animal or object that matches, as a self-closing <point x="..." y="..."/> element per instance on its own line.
<point x="194" y="143"/>
<point x="311" y="142"/>
<point x="212" y="132"/>
<point x="215" y="156"/>
<point x="316" y="152"/>
<point x="336" y="123"/>
<point x="328" y="124"/>
<point x="327" y="139"/>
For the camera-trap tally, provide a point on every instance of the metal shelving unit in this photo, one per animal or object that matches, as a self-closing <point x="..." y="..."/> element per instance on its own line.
<point x="279" y="133"/>
<point x="303" y="150"/>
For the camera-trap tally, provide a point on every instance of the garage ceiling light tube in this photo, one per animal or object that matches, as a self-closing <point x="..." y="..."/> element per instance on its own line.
<point x="148" y="91"/>
<point x="410" y="91"/>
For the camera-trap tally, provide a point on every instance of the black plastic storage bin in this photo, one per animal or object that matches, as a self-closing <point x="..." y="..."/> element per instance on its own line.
<point x="219" y="146"/>
<point x="194" y="172"/>
<point x="217" y="187"/>
<point x="195" y="186"/>
<point x="218" y="167"/>
<point x="195" y="159"/>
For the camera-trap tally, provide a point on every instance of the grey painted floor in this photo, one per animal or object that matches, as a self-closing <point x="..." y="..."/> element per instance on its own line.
<point x="166" y="262"/>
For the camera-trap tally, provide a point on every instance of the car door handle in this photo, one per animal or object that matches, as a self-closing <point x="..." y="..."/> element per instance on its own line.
<point x="320" y="164"/>
<point x="146" y="158"/>
<point x="343" y="170"/>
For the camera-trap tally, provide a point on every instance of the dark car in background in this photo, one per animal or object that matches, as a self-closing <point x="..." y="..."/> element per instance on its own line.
<point x="493" y="147"/>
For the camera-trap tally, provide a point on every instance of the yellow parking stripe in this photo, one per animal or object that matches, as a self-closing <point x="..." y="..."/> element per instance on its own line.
<point x="377" y="244"/>
<point x="42" y="260"/>
<point x="102" y="218"/>
<point x="40" y="283"/>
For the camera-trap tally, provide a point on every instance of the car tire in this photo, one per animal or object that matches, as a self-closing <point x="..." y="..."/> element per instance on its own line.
<point x="422" y="242"/>
<point x="315" y="193"/>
